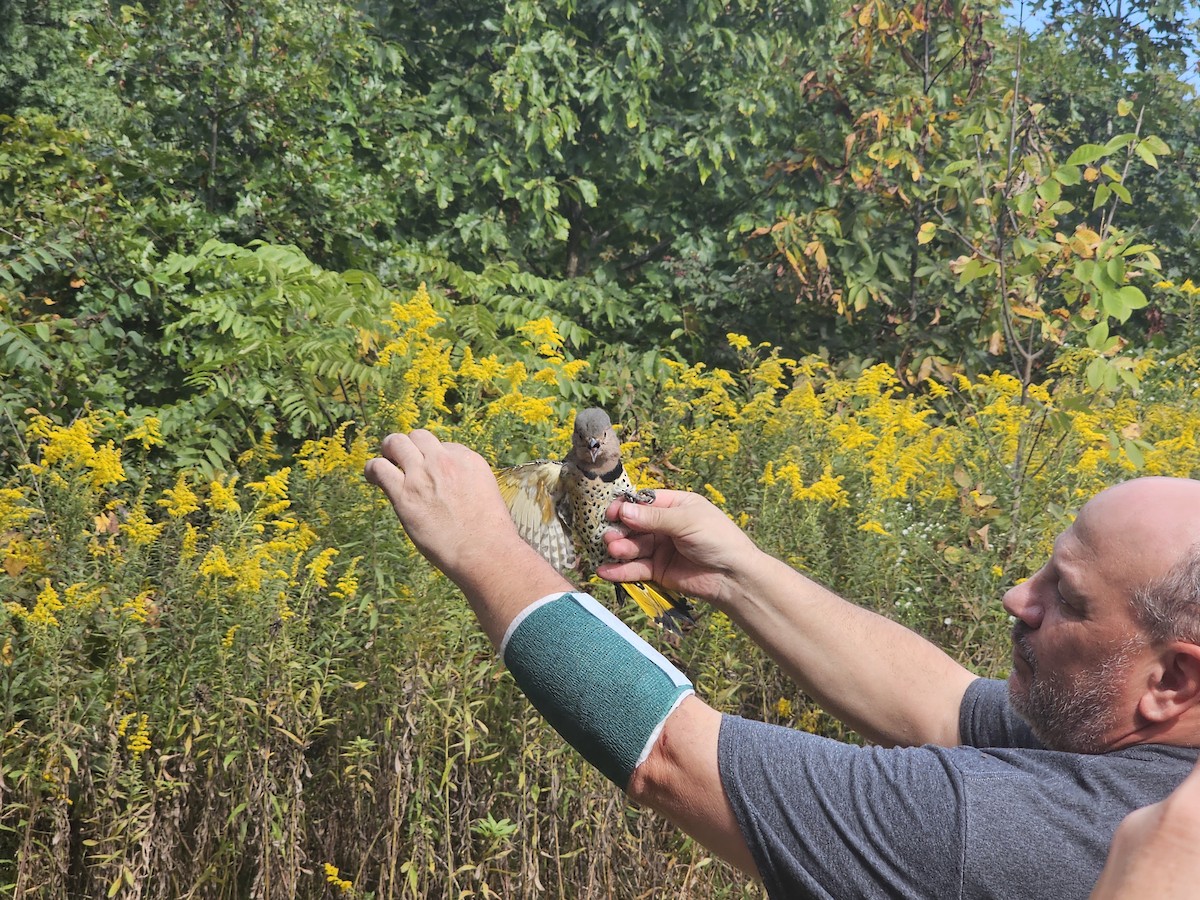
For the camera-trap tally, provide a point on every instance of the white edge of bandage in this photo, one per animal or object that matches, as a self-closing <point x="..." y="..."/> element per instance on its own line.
<point x="588" y="602"/>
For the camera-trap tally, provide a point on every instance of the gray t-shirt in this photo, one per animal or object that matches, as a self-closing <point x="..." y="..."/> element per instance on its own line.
<point x="999" y="817"/>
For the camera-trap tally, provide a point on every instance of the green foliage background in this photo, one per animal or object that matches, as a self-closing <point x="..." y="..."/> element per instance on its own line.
<point x="898" y="286"/>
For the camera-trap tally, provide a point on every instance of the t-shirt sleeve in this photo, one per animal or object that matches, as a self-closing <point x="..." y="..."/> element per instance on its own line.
<point x="827" y="819"/>
<point x="986" y="718"/>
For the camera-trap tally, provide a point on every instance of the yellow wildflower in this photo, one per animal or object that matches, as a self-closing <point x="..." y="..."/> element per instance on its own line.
<point x="139" y="742"/>
<point x="149" y="433"/>
<point x="139" y="607"/>
<point x="14" y="511"/>
<point x="334" y="876"/>
<point x="138" y="527"/>
<point x="714" y="495"/>
<point x="331" y="454"/>
<point x="191" y="537"/>
<point x="273" y="486"/>
<point x="543" y="330"/>
<point x="181" y="499"/>
<point x="531" y="410"/>
<point x="106" y="467"/>
<point x="347" y="586"/>
<point x="783" y="708"/>
<point x="45" y="606"/>
<point x="737" y="341"/>
<point x="222" y="497"/>
<point x="71" y="444"/>
<point x="216" y="563"/>
<point x="319" y="567"/>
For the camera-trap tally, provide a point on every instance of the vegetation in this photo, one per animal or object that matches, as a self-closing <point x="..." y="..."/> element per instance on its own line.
<point x="897" y="286"/>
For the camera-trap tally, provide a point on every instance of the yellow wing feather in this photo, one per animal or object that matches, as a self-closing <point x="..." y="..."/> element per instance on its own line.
<point x="532" y="492"/>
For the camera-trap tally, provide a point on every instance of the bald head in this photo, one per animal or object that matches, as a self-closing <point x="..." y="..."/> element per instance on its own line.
<point x="1145" y="538"/>
<point x="1144" y="527"/>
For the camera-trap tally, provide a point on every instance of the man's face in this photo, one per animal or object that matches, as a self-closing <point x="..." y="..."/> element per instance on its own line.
<point x="1074" y="646"/>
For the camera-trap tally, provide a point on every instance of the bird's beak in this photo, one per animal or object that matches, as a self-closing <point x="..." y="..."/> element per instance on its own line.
<point x="593" y="449"/>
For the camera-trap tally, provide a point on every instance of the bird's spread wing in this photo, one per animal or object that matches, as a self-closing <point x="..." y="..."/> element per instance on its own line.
<point x="532" y="492"/>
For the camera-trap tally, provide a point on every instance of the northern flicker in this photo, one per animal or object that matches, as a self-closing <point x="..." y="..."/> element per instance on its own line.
<point x="559" y="510"/>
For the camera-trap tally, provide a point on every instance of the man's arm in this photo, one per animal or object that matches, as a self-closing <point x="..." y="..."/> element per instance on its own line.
<point x="449" y="504"/>
<point x="879" y="677"/>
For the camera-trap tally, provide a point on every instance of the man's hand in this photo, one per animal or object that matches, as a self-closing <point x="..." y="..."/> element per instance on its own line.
<point x="445" y="497"/>
<point x="681" y="541"/>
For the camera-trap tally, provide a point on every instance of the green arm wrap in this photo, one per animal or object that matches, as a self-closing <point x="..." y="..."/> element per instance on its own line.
<point x="601" y="687"/>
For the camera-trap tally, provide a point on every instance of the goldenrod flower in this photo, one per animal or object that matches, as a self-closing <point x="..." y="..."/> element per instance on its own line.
<point x="222" y="497"/>
<point x="216" y="563"/>
<point x="139" y="742"/>
<point x="874" y="527"/>
<point x="319" y="567"/>
<point x="180" y="500"/>
<point x="45" y="606"/>
<point x="138" y="527"/>
<point x="148" y="433"/>
<point x="334" y="876"/>
<point x="274" y="486"/>
<point x="106" y="467"/>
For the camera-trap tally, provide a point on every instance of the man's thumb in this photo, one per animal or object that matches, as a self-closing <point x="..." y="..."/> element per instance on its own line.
<point x="643" y="517"/>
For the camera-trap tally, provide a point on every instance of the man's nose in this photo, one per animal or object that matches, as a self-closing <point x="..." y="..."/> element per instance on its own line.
<point x="1022" y="603"/>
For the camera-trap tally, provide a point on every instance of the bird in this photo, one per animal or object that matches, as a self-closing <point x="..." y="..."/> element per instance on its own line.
<point x="559" y="507"/>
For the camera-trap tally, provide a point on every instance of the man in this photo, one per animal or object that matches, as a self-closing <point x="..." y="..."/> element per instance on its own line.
<point x="970" y="801"/>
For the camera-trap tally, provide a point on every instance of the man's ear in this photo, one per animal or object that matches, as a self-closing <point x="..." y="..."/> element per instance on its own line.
<point x="1175" y="684"/>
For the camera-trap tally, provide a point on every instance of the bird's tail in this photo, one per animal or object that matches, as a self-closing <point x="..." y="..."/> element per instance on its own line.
<point x="669" y="609"/>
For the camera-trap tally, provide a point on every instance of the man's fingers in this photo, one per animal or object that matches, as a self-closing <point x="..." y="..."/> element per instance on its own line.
<point x="628" y="546"/>
<point x="408" y="450"/>
<point x="383" y="473"/>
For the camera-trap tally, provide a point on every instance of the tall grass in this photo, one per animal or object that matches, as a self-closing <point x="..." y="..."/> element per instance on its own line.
<point x="251" y="685"/>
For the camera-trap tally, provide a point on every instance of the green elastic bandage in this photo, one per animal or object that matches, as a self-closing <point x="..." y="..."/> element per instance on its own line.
<point x="603" y="688"/>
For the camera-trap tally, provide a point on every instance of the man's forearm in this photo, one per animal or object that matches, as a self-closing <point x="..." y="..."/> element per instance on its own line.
<point x="879" y="677"/>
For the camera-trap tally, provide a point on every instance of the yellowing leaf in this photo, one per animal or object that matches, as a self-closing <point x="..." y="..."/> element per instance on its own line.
<point x="1124" y="107"/>
<point x="926" y="232"/>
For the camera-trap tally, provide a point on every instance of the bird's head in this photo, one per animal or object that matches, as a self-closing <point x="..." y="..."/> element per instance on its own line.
<point x="593" y="434"/>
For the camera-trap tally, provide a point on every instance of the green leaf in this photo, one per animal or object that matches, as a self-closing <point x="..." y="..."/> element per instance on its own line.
<point x="1085" y="153"/>
<point x="1144" y="153"/>
<point x="1134" y="452"/>
<point x="1116" y="143"/>
<point x="1068" y="175"/>
<point x="1156" y="145"/>
<point x="1133" y="297"/>
<point x="1049" y="191"/>
<point x="1097" y="335"/>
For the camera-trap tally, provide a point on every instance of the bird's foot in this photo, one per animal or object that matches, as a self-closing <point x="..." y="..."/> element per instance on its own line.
<point x="645" y="495"/>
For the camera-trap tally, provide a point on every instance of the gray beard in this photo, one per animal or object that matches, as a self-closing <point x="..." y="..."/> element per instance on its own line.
<point x="1074" y="714"/>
